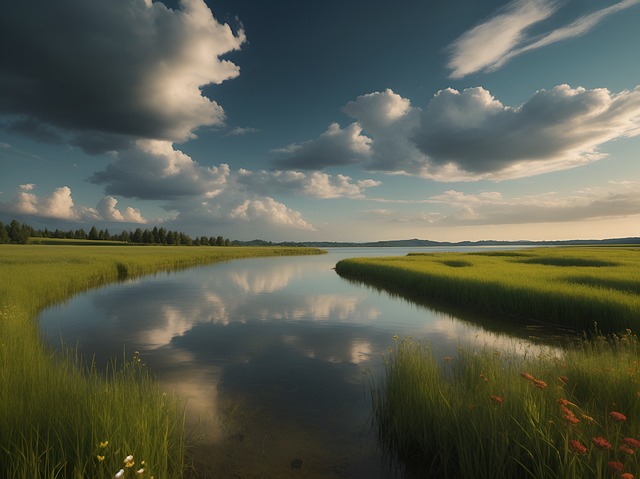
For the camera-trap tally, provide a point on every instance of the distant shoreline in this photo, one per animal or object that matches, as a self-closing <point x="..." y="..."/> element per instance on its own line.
<point x="418" y="243"/>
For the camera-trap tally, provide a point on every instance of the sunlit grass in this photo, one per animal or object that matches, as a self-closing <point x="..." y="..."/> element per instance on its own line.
<point x="573" y="286"/>
<point x="484" y="414"/>
<point x="57" y="412"/>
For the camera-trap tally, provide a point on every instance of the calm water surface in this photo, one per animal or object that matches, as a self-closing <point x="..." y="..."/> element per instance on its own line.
<point x="270" y="353"/>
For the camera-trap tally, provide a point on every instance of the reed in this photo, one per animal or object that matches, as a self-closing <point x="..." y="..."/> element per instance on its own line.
<point x="62" y="417"/>
<point x="484" y="414"/>
<point x="573" y="286"/>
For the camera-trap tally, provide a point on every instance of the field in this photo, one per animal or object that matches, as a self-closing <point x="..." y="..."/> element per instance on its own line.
<point x="576" y="287"/>
<point x="564" y="413"/>
<point x="60" y="416"/>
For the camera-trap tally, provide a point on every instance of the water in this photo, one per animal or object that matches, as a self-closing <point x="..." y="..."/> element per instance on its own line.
<point x="272" y="355"/>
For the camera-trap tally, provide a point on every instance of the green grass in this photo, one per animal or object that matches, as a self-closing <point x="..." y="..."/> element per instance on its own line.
<point x="57" y="411"/>
<point x="476" y="415"/>
<point x="574" y="286"/>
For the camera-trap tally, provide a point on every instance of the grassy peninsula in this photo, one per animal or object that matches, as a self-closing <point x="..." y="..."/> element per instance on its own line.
<point x="564" y="413"/>
<point x="60" y="416"/>
<point x="569" y="286"/>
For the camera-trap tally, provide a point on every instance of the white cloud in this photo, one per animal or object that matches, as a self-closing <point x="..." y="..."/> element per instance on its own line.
<point x="377" y="111"/>
<point x="107" y="211"/>
<point x="270" y="210"/>
<point x="155" y="170"/>
<point x="491" y="44"/>
<point x="314" y="184"/>
<point x="136" y="72"/>
<point x="334" y="147"/>
<point x="453" y="208"/>
<point x="60" y="205"/>
<point x="471" y="135"/>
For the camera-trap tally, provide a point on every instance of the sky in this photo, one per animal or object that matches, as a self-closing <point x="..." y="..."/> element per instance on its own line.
<point x="447" y="120"/>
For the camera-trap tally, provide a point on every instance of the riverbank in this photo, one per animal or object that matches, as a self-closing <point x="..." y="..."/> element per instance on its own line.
<point x="567" y="413"/>
<point x="573" y="287"/>
<point x="60" y="416"/>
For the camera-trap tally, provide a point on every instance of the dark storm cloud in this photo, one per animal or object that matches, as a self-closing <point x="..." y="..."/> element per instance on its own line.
<point x="115" y="70"/>
<point x="34" y="129"/>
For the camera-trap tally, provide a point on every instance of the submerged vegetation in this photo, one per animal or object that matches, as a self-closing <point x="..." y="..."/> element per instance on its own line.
<point x="563" y="413"/>
<point x="64" y="417"/>
<point x="573" y="286"/>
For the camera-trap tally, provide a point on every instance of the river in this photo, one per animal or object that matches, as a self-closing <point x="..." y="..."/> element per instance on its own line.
<point x="273" y="355"/>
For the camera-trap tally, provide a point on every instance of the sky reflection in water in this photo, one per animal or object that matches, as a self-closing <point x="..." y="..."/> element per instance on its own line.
<point x="285" y="338"/>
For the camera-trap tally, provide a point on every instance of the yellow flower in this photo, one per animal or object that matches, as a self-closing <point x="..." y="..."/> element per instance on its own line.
<point x="100" y="458"/>
<point x="128" y="461"/>
<point x="104" y="444"/>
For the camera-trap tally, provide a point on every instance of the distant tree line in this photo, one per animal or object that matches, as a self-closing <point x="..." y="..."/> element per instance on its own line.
<point x="19" y="233"/>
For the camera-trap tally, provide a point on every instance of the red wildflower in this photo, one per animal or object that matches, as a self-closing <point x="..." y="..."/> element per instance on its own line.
<point x="570" y="418"/>
<point x="497" y="399"/>
<point x="626" y="449"/>
<point x="539" y="383"/>
<point x="563" y="379"/>
<point x="587" y="418"/>
<point x="577" y="447"/>
<point x="566" y="410"/>
<point x="529" y="377"/>
<point x="631" y="442"/>
<point x="483" y="377"/>
<point x="601" y="443"/>
<point x="617" y="416"/>
<point x="563" y="402"/>
<point x="626" y="475"/>
<point x="615" y="466"/>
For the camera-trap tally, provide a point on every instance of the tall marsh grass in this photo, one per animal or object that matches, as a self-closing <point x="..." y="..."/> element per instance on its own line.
<point x="484" y="414"/>
<point x="61" y="417"/>
<point x="573" y="286"/>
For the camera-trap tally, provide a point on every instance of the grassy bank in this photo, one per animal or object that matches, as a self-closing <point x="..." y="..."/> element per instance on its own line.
<point x="61" y="418"/>
<point x="489" y="415"/>
<point x="574" y="286"/>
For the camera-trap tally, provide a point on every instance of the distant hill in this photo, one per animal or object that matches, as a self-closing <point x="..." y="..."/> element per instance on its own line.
<point x="418" y="243"/>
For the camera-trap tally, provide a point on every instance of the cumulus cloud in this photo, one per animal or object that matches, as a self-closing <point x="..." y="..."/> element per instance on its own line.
<point x="155" y="170"/>
<point x="315" y="184"/>
<point x="471" y="135"/>
<point x="491" y="44"/>
<point x="473" y="132"/>
<point x="274" y="211"/>
<point x="107" y="210"/>
<point x="60" y="205"/>
<point x="137" y="73"/>
<point x="334" y="147"/>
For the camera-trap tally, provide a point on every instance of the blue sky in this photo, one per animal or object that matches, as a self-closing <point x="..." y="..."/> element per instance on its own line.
<point x="339" y="121"/>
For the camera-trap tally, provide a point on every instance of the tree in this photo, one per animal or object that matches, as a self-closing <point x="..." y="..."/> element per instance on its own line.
<point x="4" y="234"/>
<point x="171" y="237"/>
<point x="162" y="236"/>
<point x="17" y="234"/>
<point x="203" y="241"/>
<point x="137" y="236"/>
<point x="80" y="234"/>
<point x="147" y="236"/>
<point x="93" y="233"/>
<point x="219" y="241"/>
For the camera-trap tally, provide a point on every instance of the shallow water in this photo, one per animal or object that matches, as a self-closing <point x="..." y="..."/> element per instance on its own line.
<point x="274" y="355"/>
